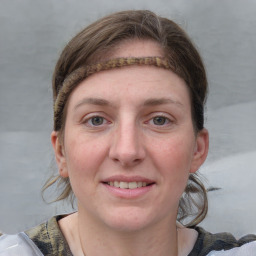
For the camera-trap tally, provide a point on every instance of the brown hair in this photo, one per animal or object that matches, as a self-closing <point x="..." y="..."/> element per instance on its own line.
<point x="94" y="43"/>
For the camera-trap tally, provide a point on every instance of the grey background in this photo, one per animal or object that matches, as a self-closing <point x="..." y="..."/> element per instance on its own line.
<point x="32" y="35"/>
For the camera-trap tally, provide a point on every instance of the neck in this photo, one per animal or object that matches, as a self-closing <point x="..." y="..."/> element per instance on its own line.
<point x="96" y="240"/>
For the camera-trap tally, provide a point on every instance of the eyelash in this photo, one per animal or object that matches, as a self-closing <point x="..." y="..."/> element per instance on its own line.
<point x="88" y="121"/>
<point x="167" y="120"/>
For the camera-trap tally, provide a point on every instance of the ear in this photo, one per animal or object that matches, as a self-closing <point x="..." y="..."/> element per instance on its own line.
<point x="59" y="154"/>
<point x="201" y="150"/>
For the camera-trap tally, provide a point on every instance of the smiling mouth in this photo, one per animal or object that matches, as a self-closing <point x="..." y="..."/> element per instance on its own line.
<point x="128" y="185"/>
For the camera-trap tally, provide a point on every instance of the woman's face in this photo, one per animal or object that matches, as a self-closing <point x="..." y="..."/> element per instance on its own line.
<point x="129" y="143"/>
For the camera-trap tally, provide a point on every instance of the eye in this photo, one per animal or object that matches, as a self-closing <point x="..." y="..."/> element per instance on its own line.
<point x="96" y="121"/>
<point x="160" y="120"/>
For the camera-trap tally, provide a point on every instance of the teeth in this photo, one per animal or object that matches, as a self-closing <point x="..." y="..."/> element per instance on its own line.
<point x="132" y="185"/>
<point x="127" y="185"/>
<point x="123" y="184"/>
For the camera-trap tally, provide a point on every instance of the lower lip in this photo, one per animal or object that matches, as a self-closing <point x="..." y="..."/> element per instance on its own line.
<point x="128" y="193"/>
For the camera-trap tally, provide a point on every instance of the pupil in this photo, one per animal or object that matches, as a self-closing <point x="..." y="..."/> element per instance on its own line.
<point x="159" y="120"/>
<point x="97" y="120"/>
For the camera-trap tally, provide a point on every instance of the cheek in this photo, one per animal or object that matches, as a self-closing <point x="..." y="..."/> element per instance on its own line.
<point x="173" y="156"/>
<point x="172" y="159"/>
<point x="83" y="154"/>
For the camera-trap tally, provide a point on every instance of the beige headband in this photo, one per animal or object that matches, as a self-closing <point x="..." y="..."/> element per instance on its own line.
<point x="81" y="73"/>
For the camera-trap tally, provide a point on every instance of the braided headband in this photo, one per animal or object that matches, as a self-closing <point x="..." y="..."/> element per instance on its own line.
<point x="81" y="73"/>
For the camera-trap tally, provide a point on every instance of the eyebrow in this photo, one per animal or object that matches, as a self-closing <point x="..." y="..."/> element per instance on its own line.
<point x="148" y="102"/>
<point x="161" y="101"/>
<point x="92" y="101"/>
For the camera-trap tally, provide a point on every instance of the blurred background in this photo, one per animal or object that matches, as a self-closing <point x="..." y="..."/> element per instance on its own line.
<point x="32" y="35"/>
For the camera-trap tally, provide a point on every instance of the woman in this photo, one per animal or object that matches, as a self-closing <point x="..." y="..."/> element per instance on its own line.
<point x="129" y="93"/>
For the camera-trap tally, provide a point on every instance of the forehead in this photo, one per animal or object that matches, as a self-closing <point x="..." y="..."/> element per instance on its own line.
<point x="133" y="85"/>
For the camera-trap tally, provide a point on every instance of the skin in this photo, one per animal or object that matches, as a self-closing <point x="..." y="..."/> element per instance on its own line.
<point x="131" y="123"/>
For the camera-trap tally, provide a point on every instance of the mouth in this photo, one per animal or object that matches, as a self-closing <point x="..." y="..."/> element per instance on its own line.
<point x="128" y="185"/>
<point x="124" y="187"/>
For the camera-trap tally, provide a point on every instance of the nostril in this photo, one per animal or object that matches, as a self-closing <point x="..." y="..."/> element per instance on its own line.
<point x="125" y="161"/>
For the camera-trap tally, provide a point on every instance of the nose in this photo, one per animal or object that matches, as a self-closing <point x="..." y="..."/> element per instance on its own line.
<point x="127" y="147"/>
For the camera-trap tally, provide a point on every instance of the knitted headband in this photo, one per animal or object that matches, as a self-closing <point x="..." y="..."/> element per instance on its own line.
<point x="78" y="75"/>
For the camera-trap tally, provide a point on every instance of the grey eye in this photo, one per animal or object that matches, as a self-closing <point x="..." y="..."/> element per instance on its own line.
<point x="97" y="120"/>
<point x="159" y="120"/>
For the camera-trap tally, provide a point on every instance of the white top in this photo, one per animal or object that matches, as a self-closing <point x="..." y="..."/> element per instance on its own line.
<point x="20" y="244"/>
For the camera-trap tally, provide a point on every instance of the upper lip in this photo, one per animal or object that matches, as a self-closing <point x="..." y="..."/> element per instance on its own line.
<point x="128" y="179"/>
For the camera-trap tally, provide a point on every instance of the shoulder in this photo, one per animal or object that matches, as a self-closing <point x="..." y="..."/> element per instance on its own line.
<point x="49" y="238"/>
<point x="208" y="242"/>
